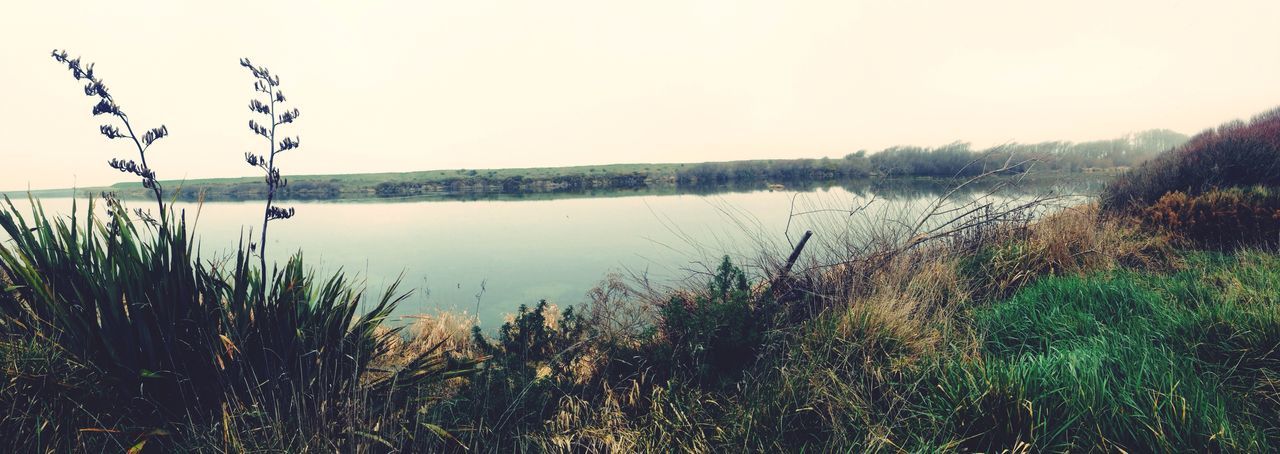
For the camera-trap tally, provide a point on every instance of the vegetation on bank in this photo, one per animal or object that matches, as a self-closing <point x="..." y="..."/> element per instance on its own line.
<point x="1236" y="154"/>
<point x="1102" y="327"/>
<point x="951" y="161"/>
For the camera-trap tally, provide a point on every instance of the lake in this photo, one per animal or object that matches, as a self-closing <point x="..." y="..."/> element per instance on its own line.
<point x="486" y="257"/>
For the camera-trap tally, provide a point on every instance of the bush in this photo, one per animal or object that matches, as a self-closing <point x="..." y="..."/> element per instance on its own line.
<point x="710" y="338"/>
<point x="531" y="368"/>
<point x="1219" y="218"/>
<point x="1236" y="154"/>
<point x="175" y="340"/>
<point x="156" y="342"/>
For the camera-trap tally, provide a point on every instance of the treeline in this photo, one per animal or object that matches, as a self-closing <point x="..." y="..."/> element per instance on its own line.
<point x="295" y="190"/>
<point x="948" y="161"/>
<point x="778" y="170"/>
<point x="515" y="184"/>
<point x="952" y="160"/>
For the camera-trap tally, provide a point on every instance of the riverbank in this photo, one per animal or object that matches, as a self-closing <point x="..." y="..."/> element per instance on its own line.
<point x="1148" y="321"/>
<point x="953" y="161"/>
<point x="329" y="188"/>
<point x="1084" y="330"/>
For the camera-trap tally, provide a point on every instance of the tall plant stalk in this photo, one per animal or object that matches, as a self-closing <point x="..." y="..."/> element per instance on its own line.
<point x="107" y="105"/>
<point x="276" y="116"/>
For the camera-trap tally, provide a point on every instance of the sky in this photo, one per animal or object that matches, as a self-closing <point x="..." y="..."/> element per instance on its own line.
<point x="417" y="85"/>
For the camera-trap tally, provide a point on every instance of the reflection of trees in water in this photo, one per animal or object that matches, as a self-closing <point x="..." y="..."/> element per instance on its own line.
<point x="1010" y="186"/>
<point x="914" y="188"/>
<point x="884" y="188"/>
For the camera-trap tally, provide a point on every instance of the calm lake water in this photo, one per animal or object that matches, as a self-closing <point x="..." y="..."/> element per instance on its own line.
<point x="486" y="257"/>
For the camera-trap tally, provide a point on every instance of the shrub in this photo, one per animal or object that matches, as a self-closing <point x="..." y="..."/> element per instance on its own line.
<point x="531" y="367"/>
<point x="1219" y="218"/>
<point x="173" y="342"/>
<point x="532" y="340"/>
<point x="177" y="340"/>
<point x="1236" y="154"/>
<point x="711" y="337"/>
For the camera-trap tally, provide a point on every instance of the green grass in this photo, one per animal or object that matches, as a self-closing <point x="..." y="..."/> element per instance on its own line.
<point x="1121" y="361"/>
<point x="1159" y="359"/>
<point x="1129" y="360"/>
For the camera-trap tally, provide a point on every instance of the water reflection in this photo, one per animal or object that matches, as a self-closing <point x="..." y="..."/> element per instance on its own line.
<point x="486" y="256"/>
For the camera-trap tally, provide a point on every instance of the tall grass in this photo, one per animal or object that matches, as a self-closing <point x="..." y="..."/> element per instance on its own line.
<point x="178" y="340"/>
<point x="172" y="347"/>
<point x="976" y="326"/>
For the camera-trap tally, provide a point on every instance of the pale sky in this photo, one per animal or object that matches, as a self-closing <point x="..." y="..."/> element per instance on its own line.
<point x="400" y="86"/>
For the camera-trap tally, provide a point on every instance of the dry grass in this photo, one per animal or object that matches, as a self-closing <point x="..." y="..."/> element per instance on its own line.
<point x="1081" y="239"/>
<point x="447" y="331"/>
<point x="1074" y="241"/>
<point x="910" y="304"/>
<point x="840" y="374"/>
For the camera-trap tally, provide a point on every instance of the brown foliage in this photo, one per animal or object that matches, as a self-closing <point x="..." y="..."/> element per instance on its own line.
<point x="1219" y="218"/>
<point x="1235" y="154"/>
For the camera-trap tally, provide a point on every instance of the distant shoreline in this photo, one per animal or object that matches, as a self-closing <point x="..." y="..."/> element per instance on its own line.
<point x="219" y="191"/>
<point x="517" y="183"/>
<point x="956" y="160"/>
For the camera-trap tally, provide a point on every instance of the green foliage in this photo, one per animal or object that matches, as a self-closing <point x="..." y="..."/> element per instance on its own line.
<point x="532" y="340"/>
<point x="711" y="337"/>
<point x="1107" y="362"/>
<point x="150" y="341"/>
<point x="42" y="389"/>
<point x="530" y="369"/>
<point x="779" y="170"/>
<point x="1123" y="361"/>
<point x="988" y="269"/>
<point x="176" y="340"/>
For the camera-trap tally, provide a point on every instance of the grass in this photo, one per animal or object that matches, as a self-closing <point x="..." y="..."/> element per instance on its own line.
<point x="1089" y="329"/>
<point x="1107" y="361"/>
<point x="1082" y="332"/>
<point x="1122" y="361"/>
<point x="128" y="333"/>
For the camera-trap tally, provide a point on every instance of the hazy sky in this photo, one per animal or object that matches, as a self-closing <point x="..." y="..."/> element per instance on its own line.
<point x="397" y="86"/>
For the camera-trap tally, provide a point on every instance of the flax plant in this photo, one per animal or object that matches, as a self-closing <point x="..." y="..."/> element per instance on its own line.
<point x="183" y="342"/>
